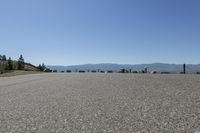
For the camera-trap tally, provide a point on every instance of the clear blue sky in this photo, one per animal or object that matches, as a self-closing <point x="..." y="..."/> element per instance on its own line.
<point x="66" y="32"/>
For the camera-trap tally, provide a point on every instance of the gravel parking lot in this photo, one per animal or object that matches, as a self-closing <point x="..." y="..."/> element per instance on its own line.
<point x="98" y="103"/>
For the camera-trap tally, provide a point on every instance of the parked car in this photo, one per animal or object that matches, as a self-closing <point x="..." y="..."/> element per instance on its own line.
<point x="109" y="71"/>
<point x="68" y="71"/>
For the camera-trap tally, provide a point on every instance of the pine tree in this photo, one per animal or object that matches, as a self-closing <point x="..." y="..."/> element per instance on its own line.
<point x="21" y="63"/>
<point x="1" y="65"/>
<point x="4" y="58"/>
<point x="41" y="67"/>
<point x="10" y="64"/>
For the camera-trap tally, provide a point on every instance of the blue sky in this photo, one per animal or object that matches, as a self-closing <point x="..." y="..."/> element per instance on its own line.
<point x="67" y="32"/>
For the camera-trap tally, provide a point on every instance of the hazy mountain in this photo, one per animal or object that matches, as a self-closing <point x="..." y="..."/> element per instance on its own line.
<point x="116" y="67"/>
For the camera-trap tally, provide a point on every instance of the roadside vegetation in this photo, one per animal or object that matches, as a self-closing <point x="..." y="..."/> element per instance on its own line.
<point x="9" y="67"/>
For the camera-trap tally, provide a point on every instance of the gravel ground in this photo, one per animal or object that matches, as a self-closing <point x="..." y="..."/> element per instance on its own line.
<point x="98" y="103"/>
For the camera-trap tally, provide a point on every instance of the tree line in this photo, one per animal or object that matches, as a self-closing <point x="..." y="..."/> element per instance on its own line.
<point x="7" y="64"/>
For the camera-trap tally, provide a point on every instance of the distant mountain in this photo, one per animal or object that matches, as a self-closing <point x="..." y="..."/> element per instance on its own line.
<point x="173" y="68"/>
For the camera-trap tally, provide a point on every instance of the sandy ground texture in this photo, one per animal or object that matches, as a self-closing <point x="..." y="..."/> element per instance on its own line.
<point x="98" y="103"/>
<point x="18" y="72"/>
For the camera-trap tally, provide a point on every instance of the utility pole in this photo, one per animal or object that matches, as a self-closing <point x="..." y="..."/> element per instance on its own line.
<point x="184" y="68"/>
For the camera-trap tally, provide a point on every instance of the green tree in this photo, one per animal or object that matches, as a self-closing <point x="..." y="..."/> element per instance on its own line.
<point x="1" y="67"/>
<point x="21" y="63"/>
<point x="3" y="58"/>
<point x="9" y="64"/>
<point x="41" y="67"/>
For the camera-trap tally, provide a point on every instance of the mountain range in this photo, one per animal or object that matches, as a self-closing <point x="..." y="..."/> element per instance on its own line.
<point x="159" y="67"/>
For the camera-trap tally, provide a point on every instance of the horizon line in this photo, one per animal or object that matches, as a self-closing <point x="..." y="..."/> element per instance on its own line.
<point x="124" y="64"/>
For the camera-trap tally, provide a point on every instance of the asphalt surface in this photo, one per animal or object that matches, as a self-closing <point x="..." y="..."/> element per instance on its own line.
<point x="98" y="103"/>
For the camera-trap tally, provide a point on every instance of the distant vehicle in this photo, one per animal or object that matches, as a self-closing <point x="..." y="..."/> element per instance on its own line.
<point x="68" y="71"/>
<point x="47" y="70"/>
<point x="93" y="71"/>
<point x="55" y="71"/>
<point x="123" y="71"/>
<point x="102" y="71"/>
<point x="153" y="72"/>
<point x="141" y="71"/>
<point x="62" y="71"/>
<point x="134" y="72"/>
<point x="81" y="71"/>
<point x="110" y="71"/>
<point x="180" y="73"/>
<point x="164" y="72"/>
